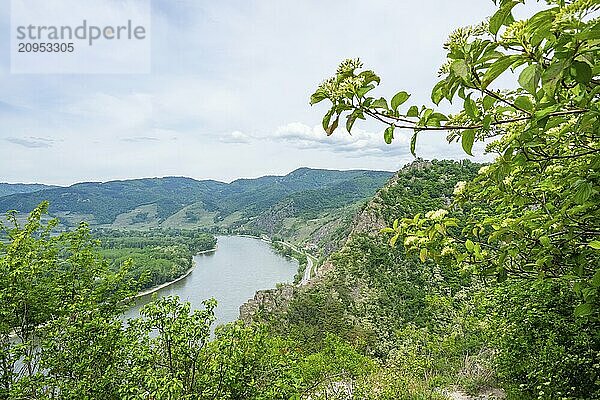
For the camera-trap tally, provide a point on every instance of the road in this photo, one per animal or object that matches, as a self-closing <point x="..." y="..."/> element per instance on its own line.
<point x="309" y="263"/>
<point x="307" y="271"/>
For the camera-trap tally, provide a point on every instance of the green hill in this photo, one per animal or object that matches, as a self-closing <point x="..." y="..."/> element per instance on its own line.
<point x="244" y="205"/>
<point x="7" y="189"/>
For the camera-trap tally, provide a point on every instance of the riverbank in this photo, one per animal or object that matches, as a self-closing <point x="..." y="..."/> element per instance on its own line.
<point x="264" y="238"/>
<point x="311" y="260"/>
<point x="167" y="284"/>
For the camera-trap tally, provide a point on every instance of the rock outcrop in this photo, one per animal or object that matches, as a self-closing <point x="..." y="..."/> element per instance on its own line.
<point x="266" y="301"/>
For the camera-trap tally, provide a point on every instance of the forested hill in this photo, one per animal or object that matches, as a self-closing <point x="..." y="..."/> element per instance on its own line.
<point x="7" y="189"/>
<point x="245" y="204"/>
<point x="101" y="203"/>
<point x="431" y="324"/>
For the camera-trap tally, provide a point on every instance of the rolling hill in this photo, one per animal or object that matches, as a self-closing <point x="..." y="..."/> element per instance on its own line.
<point x="7" y="189"/>
<point x="267" y="205"/>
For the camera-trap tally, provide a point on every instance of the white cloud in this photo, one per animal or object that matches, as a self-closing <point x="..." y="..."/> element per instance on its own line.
<point x="32" y="142"/>
<point x="359" y="143"/>
<point x="140" y="139"/>
<point x="235" y="137"/>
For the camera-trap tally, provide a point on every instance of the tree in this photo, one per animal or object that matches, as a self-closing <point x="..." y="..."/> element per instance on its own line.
<point x="534" y="211"/>
<point x="51" y="284"/>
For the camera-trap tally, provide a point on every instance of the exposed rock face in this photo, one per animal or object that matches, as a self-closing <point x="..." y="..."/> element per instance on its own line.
<point x="325" y="239"/>
<point x="277" y="300"/>
<point x="370" y="219"/>
<point x="271" y="219"/>
<point x="267" y="301"/>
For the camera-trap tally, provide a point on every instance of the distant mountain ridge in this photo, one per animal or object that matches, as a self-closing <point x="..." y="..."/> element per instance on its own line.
<point x="7" y="189"/>
<point x="179" y="202"/>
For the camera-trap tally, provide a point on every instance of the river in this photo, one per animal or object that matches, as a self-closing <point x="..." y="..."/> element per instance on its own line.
<point x="232" y="274"/>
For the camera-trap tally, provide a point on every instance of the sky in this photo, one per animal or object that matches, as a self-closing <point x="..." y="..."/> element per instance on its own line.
<point x="228" y="93"/>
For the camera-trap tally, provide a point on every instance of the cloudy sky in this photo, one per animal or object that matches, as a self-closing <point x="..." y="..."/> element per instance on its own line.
<point x="227" y="96"/>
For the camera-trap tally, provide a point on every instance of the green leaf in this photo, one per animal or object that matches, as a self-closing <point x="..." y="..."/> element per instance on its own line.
<point x="594" y="244"/>
<point x="413" y="111"/>
<point x="333" y="126"/>
<point x="545" y="112"/>
<point x="388" y="135"/>
<point x="369" y="76"/>
<point x="590" y="33"/>
<point x="552" y="76"/>
<point x="327" y="119"/>
<point x="545" y="241"/>
<point x="413" y="144"/>
<point x="488" y="102"/>
<point x="497" y="68"/>
<point x="436" y="118"/>
<point x="467" y="140"/>
<point x="487" y="122"/>
<point x="399" y="99"/>
<point x="583" y="72"/>
<point x="470" y="107"/>
<point x="583" y="310"/>
<point x="352" y="118"/>
<point x="364" y="90"/>
<point x="595" y="281"/>
<point x="502" y="16"/>
<point x="440" y="228"/>
<point x="317" y="97"/>
<point x="470" y="245"/>
<point x="529" y="78"/>
<point x="437" y="94"/>
<point x="423" y="255"/>
<point x="524" y="102"/>
<point x="425" y="117"/>
<point x="584" y="191"/>
<point x="380" y="103"/>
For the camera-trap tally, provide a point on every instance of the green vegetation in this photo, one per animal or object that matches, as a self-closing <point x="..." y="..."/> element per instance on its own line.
<point x="63" y="301"/>
<point x="377" y="297"/>
<point x="12" y="188"/>
<point x="454" y="275"/>
<point x="156" y="256"/>
<point x="161" y="202"/>
<point x="434" y="325"/>
<point x="528" y="221"/>
<point x="308" y="206"/>
<point x="105" y="201"/>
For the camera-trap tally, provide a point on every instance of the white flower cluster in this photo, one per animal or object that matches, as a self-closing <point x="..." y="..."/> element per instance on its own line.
<point x="437" y="214"/>
<point x="344" y="83"/>
<point x="349" y="65"/>
<point x="459" y="188"/>
<point x="570" y="14"/>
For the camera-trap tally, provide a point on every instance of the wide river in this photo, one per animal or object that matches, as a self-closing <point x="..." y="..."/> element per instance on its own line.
<point x="231" y="275"/>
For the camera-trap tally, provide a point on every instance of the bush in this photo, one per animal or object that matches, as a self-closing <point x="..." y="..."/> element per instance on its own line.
<point x="544" y="350"/>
